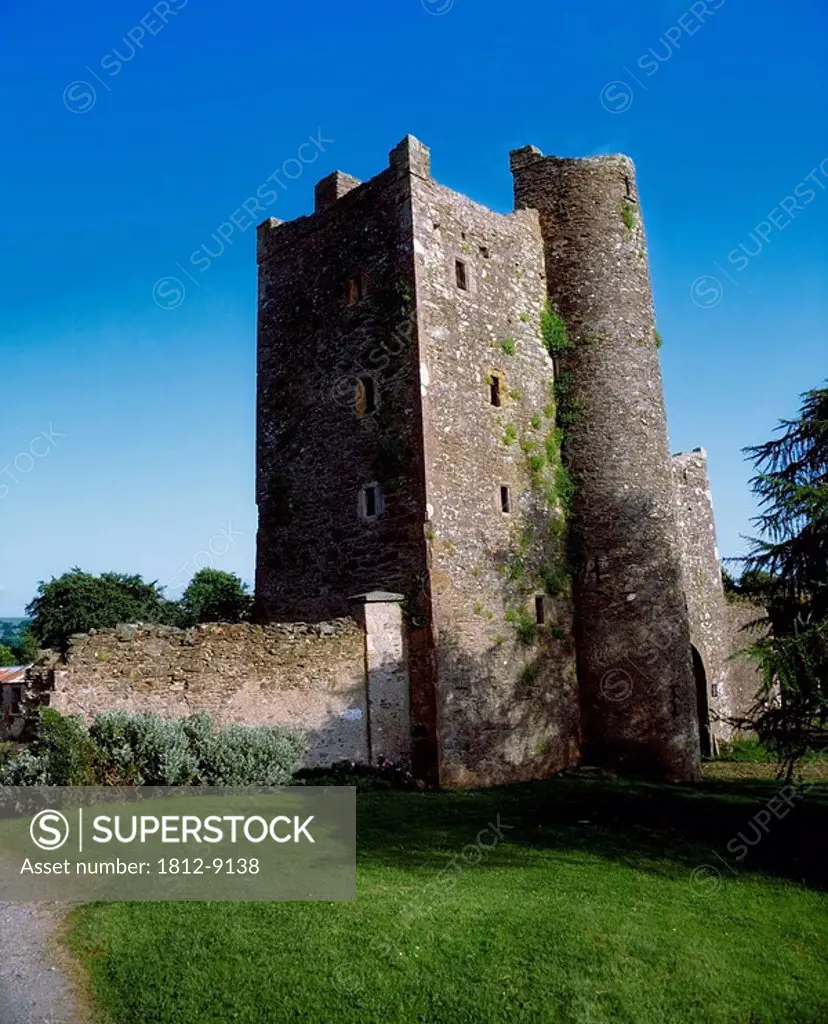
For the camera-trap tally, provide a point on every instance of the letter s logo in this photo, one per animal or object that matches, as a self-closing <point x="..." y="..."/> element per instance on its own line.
<point x="49" y="830"/>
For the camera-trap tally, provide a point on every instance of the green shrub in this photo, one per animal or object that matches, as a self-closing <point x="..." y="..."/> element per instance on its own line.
<point x="246" y="755"/>
<point x="61" y="755"/>
<point x="144" y="750"/>
<point x="748" y="749"/>
<point x="124" y="749"/>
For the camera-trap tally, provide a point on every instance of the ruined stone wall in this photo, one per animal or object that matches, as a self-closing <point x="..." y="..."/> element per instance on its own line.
<point x="316" y="444"/>
<point x="702" y="575"/>
<point x="719" y="628"/>
<point x="743" y="679"/>
<point x="505" y="710"/>
<point x="311" y="677"/>
<point x="632" y="631"/>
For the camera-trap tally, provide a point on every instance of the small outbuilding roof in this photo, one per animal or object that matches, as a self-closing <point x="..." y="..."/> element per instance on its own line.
<point x="15" y="674"/>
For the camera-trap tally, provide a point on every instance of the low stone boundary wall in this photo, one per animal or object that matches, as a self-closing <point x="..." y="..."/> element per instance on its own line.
<point x="308" y="676"/>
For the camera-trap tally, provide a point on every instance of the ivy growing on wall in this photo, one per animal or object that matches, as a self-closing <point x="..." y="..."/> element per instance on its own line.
<point x="538" y="559"/>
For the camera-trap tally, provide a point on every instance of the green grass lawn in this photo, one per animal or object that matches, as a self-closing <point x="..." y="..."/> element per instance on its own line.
<point x="590" y="909"/>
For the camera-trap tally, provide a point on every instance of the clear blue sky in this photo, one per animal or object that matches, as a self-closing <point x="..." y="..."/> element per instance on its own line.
<point x="156" y="405"/>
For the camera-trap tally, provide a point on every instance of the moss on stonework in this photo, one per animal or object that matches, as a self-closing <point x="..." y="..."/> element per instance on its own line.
<point x="628" y="215"/>
<point x="510" y="434"/>
<point x="508" y="346"/>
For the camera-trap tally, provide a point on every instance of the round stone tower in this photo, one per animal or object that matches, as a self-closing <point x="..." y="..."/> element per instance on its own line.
<point x="632" y="632"/>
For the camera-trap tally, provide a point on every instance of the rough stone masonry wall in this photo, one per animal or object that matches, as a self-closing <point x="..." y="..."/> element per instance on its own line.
<point x="311" y="677"/>
<point x="506" y="710"/>
<point x="638" y="691"/>
<point x="701" y="570"/>
<point x="716" y="624"/>
<point x="743" y="678"/>
<point x="314" y="449"/>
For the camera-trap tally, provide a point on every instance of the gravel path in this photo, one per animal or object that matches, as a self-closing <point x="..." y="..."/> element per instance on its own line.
<point x="33" y="988"/>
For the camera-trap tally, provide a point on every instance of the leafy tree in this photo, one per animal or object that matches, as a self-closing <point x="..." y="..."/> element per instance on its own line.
<point x="27" y="649"/>
<point x="752" y="585"/>
<point x="7" y="656"/>
<point x="78" y="601"/>
<point x="215" y="596"/>
<point x="788" y="569"/>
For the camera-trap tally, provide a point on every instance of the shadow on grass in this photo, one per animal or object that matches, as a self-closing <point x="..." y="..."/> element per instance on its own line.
<point x="659" y="829"/>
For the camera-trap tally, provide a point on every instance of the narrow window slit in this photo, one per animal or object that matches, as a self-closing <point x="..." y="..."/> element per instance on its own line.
<point x="461" y="274"/>
<point x="355" y="288"/>
<point x="495" y="390"/>
<point x="540" y="610"/>
<point x="370" y="501"/>
<point x="366" y="399"/>
<point x="505" y="499"/>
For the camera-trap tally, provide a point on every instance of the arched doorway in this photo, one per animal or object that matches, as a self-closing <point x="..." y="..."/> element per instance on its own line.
<point x="701" y="703"/>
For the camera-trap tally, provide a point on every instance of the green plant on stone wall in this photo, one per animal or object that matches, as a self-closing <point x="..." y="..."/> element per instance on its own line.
<point x="553" y="331"/>
<point x="537" y="558"/>
<point x="569" y="409"/>
<point x="530" y="674"/>
<point x="659" y="341"/>
<point x="525" y="626"/>
<point x="508" y="346"/>
<point x="628" y="215"/>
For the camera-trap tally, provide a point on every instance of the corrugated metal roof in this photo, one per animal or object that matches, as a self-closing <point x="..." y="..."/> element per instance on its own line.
<point x="15" y="674"/>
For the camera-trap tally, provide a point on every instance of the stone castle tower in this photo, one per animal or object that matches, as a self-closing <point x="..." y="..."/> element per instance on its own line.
<point x="409" y="441"/>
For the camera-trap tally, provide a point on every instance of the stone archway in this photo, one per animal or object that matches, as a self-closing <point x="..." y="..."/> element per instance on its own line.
<point x="702" y="703"/>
